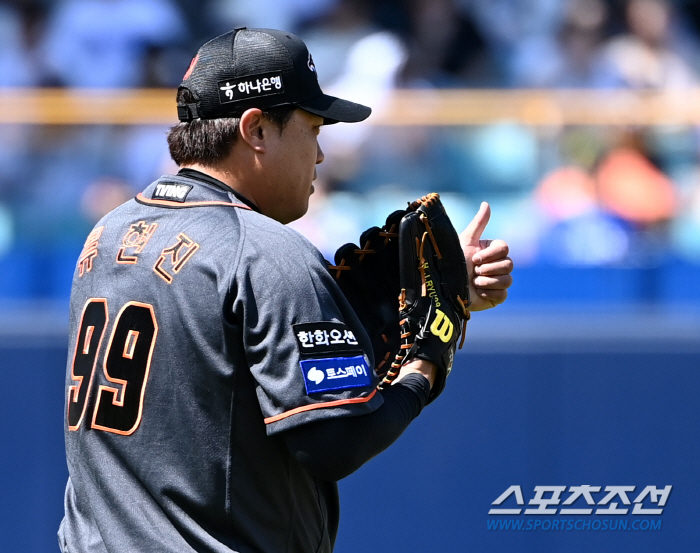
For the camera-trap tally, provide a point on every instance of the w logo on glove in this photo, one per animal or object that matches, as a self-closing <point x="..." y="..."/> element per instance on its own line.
<point x="445" y="331"/>
<point x="434" y="289"/>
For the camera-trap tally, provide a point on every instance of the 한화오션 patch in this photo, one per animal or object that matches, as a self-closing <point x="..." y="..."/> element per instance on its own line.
<point x="339" y="373"/>
<point x="326" y="339"/>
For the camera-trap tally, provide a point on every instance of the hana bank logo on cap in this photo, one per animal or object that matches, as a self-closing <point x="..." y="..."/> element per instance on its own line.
<point x="251" y="87"/>
<point x="258" y="68"/>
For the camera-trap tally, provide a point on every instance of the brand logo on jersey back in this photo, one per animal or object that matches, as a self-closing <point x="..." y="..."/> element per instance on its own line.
<point x="172" y="191"/>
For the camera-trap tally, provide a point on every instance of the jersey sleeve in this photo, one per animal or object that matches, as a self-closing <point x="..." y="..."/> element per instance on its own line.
<point x="306" y="349"/>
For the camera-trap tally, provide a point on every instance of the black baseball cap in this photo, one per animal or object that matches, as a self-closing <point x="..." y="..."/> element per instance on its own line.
<point x="259" y="68"/>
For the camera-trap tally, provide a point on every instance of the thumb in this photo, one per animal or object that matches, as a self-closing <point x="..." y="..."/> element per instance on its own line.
<point x="474" y="230"/>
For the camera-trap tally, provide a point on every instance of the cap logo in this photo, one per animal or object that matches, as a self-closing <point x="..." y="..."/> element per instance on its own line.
<point x="191" y="67"/>
<point x="265" y="84"/>
<point x="311" y="63"/>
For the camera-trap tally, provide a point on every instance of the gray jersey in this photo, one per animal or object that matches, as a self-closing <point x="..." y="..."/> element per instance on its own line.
<point x="199" y="330"/>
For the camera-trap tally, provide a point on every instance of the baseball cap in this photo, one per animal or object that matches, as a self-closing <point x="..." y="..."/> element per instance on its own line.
<point x="259" y="68"/>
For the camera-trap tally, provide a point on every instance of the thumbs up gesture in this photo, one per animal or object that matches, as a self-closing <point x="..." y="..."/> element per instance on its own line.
<point x="487" y="262"/>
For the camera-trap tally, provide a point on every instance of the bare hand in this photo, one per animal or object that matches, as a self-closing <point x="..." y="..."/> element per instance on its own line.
<point x="487" y="262"/>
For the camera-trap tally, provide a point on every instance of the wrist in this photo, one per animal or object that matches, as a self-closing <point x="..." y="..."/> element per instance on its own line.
<point x="419" y="366"/>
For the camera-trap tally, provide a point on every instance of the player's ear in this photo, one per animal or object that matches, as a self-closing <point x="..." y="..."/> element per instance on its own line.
<point x="253" y="129"/>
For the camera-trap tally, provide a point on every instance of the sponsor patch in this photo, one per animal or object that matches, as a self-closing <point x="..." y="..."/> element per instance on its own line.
<point x="319" y="339"/>
<point x="254" y="86"/>
<point x="172" y="191"/>
<point x="338" y="373"/>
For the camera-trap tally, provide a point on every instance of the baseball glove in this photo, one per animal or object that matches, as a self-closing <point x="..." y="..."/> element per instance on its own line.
<point x="408" y="286"/>
<point x="434" y="297"/>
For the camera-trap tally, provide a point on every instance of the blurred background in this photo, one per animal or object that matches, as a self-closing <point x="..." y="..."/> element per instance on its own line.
<point x="577" y="120"/>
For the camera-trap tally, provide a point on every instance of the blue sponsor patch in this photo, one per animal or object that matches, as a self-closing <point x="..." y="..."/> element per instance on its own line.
<point x="338" y="373"/>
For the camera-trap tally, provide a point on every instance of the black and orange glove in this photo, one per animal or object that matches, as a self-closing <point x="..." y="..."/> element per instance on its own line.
<point x="408" y="285"/>
<point x="434" y="296"/>
<point x="368" y="275"/>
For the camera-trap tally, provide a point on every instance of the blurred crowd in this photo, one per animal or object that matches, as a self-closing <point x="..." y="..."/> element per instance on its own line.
<point x="572" y="196"/>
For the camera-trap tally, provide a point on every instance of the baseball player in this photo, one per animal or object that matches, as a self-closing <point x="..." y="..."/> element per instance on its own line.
<point x="218" y="381"/>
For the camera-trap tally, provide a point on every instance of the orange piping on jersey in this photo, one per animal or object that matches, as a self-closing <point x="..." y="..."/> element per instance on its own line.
<point x="140" y="197"/>
<point x="319" y="406"/>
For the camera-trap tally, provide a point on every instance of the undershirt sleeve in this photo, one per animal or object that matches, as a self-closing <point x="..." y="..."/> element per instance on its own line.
<point x="332" y="449"/>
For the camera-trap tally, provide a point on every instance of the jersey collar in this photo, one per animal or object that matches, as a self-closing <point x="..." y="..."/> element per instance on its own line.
<point x="203" y="177"/>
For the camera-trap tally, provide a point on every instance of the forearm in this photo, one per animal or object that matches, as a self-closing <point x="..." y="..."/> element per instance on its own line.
<point x="334" y="448"/>
<point x="418" y="366"/>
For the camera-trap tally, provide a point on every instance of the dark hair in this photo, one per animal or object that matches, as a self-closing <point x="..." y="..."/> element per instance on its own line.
<point x="208" y="141"/>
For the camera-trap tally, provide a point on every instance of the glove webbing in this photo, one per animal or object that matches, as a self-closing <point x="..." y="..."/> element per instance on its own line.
<point x="388" y="235"/>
